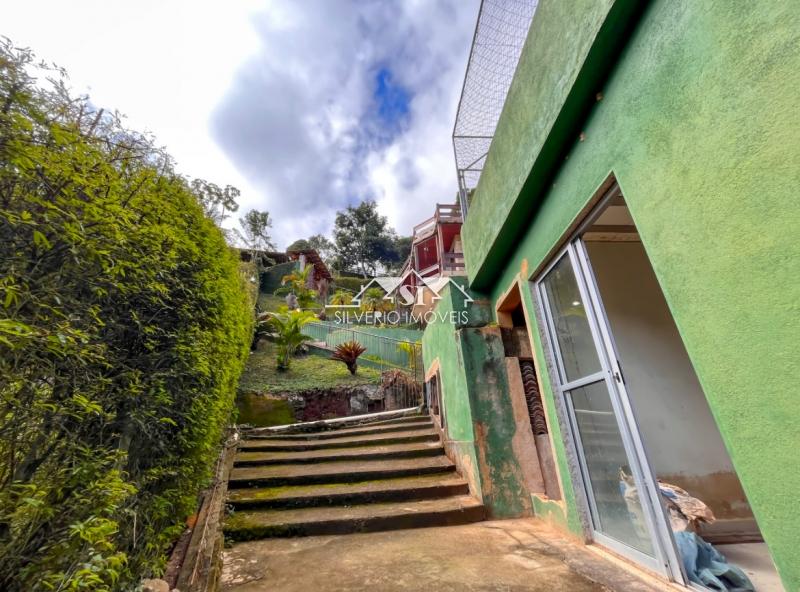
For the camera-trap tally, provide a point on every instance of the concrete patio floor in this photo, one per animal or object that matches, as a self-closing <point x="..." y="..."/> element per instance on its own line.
<point x="507" y="556"/>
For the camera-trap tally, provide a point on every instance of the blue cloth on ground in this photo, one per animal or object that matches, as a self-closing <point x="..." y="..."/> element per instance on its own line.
<point x="706" y="566"/>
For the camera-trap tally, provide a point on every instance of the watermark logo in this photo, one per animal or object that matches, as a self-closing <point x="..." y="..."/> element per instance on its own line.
<point x="407" y="299"/>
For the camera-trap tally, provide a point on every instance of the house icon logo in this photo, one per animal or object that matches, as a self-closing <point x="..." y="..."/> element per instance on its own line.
<point x="406" y="290"/>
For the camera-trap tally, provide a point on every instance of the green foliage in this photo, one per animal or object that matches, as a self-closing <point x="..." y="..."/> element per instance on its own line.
<point x="363" y="239"/>
<point x="216" y="202"/>
<point x="255" y="231"/>
<point x="299" y="245"/>
<point x="296" y="283"/>
<point x="341" y="298"/>
<point x="324" y="247"/>
<point x="373" y="300"/>
<point x="348" y="353"/>
<point x="306" y="373"/>
<point x="410" y="350"/>
<point x="286" y="330"/>
<point x="350" y="284"/>
<point x="124" y="325"/>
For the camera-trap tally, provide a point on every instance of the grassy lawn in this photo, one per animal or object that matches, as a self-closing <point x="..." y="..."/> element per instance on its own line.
<point x="270" y="302"/>
<point x="307" y="372"/>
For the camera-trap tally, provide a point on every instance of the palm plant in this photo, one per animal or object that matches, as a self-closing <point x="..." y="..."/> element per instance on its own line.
<point x="286" y="330"/>
<point x="348" y="353"/>
<point x="341" y="298"/>
<point x="374" y="301"/>
<point x="297" y="283"/>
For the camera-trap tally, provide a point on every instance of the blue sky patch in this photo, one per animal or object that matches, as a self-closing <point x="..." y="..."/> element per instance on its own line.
<point x="391" y="101"/>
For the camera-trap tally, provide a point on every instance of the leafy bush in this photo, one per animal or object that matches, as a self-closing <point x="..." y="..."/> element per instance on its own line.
<point x="296" y="283"/>
<point x="124" y="325"/>
<point x="350" y="284"/>
<point x="286" y="330"/>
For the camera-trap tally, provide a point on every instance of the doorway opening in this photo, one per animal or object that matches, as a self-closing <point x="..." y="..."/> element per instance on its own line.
<point x="653" y="463"/>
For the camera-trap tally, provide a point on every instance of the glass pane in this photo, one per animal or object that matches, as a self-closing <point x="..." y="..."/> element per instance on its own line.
<point x="620" y="513"/>
<point x="578" y="351"/>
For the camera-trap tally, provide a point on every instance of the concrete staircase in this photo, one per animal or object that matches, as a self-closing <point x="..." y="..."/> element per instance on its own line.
<point x="384" y="475"/>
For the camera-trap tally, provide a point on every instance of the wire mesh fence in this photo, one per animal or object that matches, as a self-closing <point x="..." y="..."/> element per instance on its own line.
<point x="382" y="352"/>
<point x="500" y="34"/>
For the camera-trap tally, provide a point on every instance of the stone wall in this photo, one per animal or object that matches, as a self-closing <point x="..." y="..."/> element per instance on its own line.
<point x="264" y="410"/>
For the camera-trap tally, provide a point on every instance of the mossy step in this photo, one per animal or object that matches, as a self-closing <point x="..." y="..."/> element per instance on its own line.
<point x="413" y="450"/>
<point x="259" y="524"/>
<point x="345" y="494"/>
<point x="336" y="472"/>
<point x="344" y="432"/>
<point x="400" y="420"/>
<point x="406" y="437"/>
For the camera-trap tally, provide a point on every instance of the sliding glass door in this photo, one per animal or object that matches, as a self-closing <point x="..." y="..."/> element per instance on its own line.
<point x="620" y="489"/>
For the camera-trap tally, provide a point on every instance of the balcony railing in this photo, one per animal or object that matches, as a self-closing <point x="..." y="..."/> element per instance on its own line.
<point x="445" y="214"/>
<point x="452" y="263"/>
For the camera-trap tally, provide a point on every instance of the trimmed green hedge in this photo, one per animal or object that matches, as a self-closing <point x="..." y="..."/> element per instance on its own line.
<point x="124" y="326"/>
<point x="351" y="284"/>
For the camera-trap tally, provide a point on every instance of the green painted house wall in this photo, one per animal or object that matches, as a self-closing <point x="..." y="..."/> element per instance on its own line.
<point x="699" y="123"/>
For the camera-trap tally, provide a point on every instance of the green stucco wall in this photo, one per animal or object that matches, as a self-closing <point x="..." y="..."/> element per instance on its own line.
<point x="476" y="402"/>
<point x="700" y="124"/>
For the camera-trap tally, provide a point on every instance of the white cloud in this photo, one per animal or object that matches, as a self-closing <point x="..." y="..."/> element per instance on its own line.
<point x="274" y="98"/>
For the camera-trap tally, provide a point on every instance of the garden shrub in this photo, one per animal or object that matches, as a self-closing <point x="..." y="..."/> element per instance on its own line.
<point x="124" y="325"/>
<point x="351" y="284"/>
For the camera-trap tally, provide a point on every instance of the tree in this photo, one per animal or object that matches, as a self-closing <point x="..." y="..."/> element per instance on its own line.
<point x="216" y="201"/>
<point x="255" y="231"/>
<point x="323" y="246"/>
<point x="364" y="242"/>
<point x="299" y="245"/>
<point x="401" y="248"/>
<point x="373" y="300"/>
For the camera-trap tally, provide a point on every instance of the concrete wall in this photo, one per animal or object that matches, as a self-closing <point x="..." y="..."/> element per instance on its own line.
<point x="681" y="436"/>
<point x="483" y="435"/>
<point x="699" y="123"/>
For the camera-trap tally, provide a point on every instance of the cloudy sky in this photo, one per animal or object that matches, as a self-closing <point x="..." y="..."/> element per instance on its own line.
<point x="305" y="105"/>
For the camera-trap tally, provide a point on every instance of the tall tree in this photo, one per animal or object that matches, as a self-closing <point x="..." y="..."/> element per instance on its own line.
<point x="255" y="233"/>
<point x="218" y="203"/>
<point x="363" y="239"/>
<point x="401" y="248"/>
<point x="323" y="246"/>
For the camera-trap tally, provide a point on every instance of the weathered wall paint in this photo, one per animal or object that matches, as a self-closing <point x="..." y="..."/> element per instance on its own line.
<point x="481" y="430"/>
<point x="440" y="345"/>
<point x="699" y="123"/>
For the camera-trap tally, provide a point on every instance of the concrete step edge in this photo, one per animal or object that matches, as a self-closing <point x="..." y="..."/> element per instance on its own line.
<point x="368" y="429"/>
<point x="238" y="528"/>
<point x="270" y="446"/>
<point x="345" y="454"/>
<point x="447" y="488"/>
<point x="335" y="477"/>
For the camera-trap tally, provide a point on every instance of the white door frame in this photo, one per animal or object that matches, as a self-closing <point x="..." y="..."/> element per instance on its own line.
<point x="667" y="560"/>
